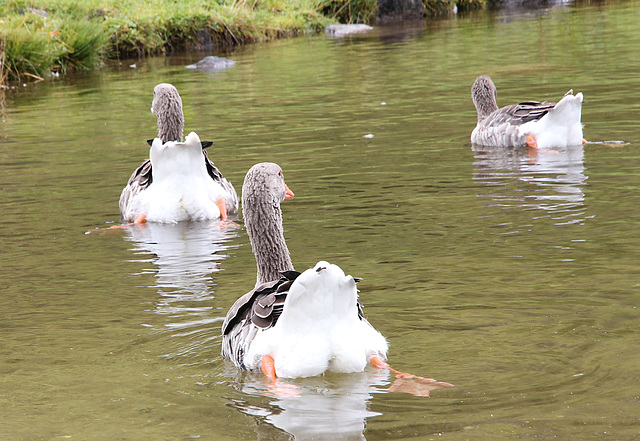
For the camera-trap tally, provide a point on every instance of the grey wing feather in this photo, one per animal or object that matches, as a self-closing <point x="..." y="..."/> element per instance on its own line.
<point x="502" y="127"/>
<point x="518" y="114"/>
<point x="233" y="202"/>
<point x="257" y="310"/>
<point x="140" y="179"/>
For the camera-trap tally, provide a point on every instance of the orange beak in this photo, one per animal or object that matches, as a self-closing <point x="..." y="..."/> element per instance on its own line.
<point x="289" y="194"/>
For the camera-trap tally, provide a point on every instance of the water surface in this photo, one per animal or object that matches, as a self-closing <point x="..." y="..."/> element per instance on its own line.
<point x="511" y="275"/>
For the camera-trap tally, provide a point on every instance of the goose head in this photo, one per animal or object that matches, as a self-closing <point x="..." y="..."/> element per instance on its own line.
<point x="485" y="96"/>
<point x="167" y="106"/>
<point x="263" y="191"/>
<point x="264" y="184"/>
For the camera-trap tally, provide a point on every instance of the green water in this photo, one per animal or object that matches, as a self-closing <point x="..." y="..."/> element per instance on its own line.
<point x="513" y="277"/>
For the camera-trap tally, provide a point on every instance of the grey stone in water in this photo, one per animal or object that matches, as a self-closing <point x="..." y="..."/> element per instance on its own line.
<point x="340" y="30"/>
<point x="212" y="64"/>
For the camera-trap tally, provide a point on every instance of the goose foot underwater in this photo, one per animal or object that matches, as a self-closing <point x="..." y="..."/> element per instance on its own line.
<point x="409" y="383"/>
<point x="404" y="382"/>
<point x="142" y="218"/>
<point x="141" y="222"/>
<point x="533" y="143"/>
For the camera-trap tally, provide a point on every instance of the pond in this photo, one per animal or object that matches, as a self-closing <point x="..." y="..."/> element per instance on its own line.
<point x="512" y="276"/>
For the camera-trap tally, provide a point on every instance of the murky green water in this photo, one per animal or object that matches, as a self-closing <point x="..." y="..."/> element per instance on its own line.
<point x="513" y="277"/>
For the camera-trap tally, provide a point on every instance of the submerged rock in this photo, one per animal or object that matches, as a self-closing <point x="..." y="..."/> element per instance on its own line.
<point x="340" y="30"/>
<point x="212" y="64"/>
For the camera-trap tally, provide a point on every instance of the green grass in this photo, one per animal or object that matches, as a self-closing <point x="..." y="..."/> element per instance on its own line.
<point x="350" y="11"/>
<point x="76" y="34"/>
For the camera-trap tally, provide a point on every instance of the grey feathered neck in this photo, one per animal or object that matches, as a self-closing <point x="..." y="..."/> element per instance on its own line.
<point x="167" y="106"/>
<point x="485" y="96"/>
<point x="262" y="192"/>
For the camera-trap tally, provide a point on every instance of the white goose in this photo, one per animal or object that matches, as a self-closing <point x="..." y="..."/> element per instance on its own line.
<point x="178" y="182"/>
<point x="293" y="325"/>
<point x="536" y="124"/>
<point x="299" y="325"/>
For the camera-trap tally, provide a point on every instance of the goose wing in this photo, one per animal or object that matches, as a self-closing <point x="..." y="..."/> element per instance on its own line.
<point x="518" y="114"/>
<point x="255" y="311"/>
<point x="258" y="309"/>
<point x="140" y="179"/>
<point x="233" y="201"/>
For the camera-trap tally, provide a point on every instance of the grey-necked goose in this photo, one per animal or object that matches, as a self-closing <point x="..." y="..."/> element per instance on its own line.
<point x="293" y="325"/>
<point x="178" y="182"/>
<point x="299" y="325"/>
<point x="532" y="123"/>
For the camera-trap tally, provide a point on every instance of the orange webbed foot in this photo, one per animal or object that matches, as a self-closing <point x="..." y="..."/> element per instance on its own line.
<point x="223" y="225"/>
<point x="139" y="221"/>
<point x="222" y="206"/>
<point x="417" y="386"/>
<point x="274" y="385"/>
<point x="409" y="383"/>
<point x="531" y="141"/>
<point x="224" y="216"/>
<point x="268" y="366"/>
<point x="108" y="230"/>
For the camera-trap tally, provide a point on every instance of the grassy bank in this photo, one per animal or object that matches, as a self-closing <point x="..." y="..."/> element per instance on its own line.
<point x="38" y="37"/>
<point x="41" y="36"/>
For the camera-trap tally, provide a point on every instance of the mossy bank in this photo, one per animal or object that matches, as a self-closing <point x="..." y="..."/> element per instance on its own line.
<point x="40" y="37"/>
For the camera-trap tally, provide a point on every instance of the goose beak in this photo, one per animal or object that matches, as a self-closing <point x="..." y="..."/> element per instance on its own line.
<point x="289" y="194"/>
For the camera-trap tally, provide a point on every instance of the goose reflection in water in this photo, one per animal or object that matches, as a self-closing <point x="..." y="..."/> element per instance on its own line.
<point x="329" y="407"/>
<point x="551" y="180"/>
<point x="184" y="255"/>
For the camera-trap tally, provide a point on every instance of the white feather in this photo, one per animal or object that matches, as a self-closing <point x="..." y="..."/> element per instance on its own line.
<point x="181" y="189"/>
<point x="561" y="127"/>
<point x="319" y="328"/>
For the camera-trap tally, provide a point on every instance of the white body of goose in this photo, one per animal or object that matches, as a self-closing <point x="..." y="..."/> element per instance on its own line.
<point x="182" y="189"/>
<point x="178" y="182"/>
<point x="306" y="323"/>
<point x="537" y="124"/>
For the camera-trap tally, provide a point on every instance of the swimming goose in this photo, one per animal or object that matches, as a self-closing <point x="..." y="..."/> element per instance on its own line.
<point x="293" y="324"/>
<point x="539" y="125"/>
<point x="299" y="324"/>
<point x="178" y="182"/>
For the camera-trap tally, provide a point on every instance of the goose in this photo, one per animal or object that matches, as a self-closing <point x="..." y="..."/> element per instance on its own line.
<point x="530" y="123"/>
<point x="293" y="324"/>
<point x="178" y="182"/>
